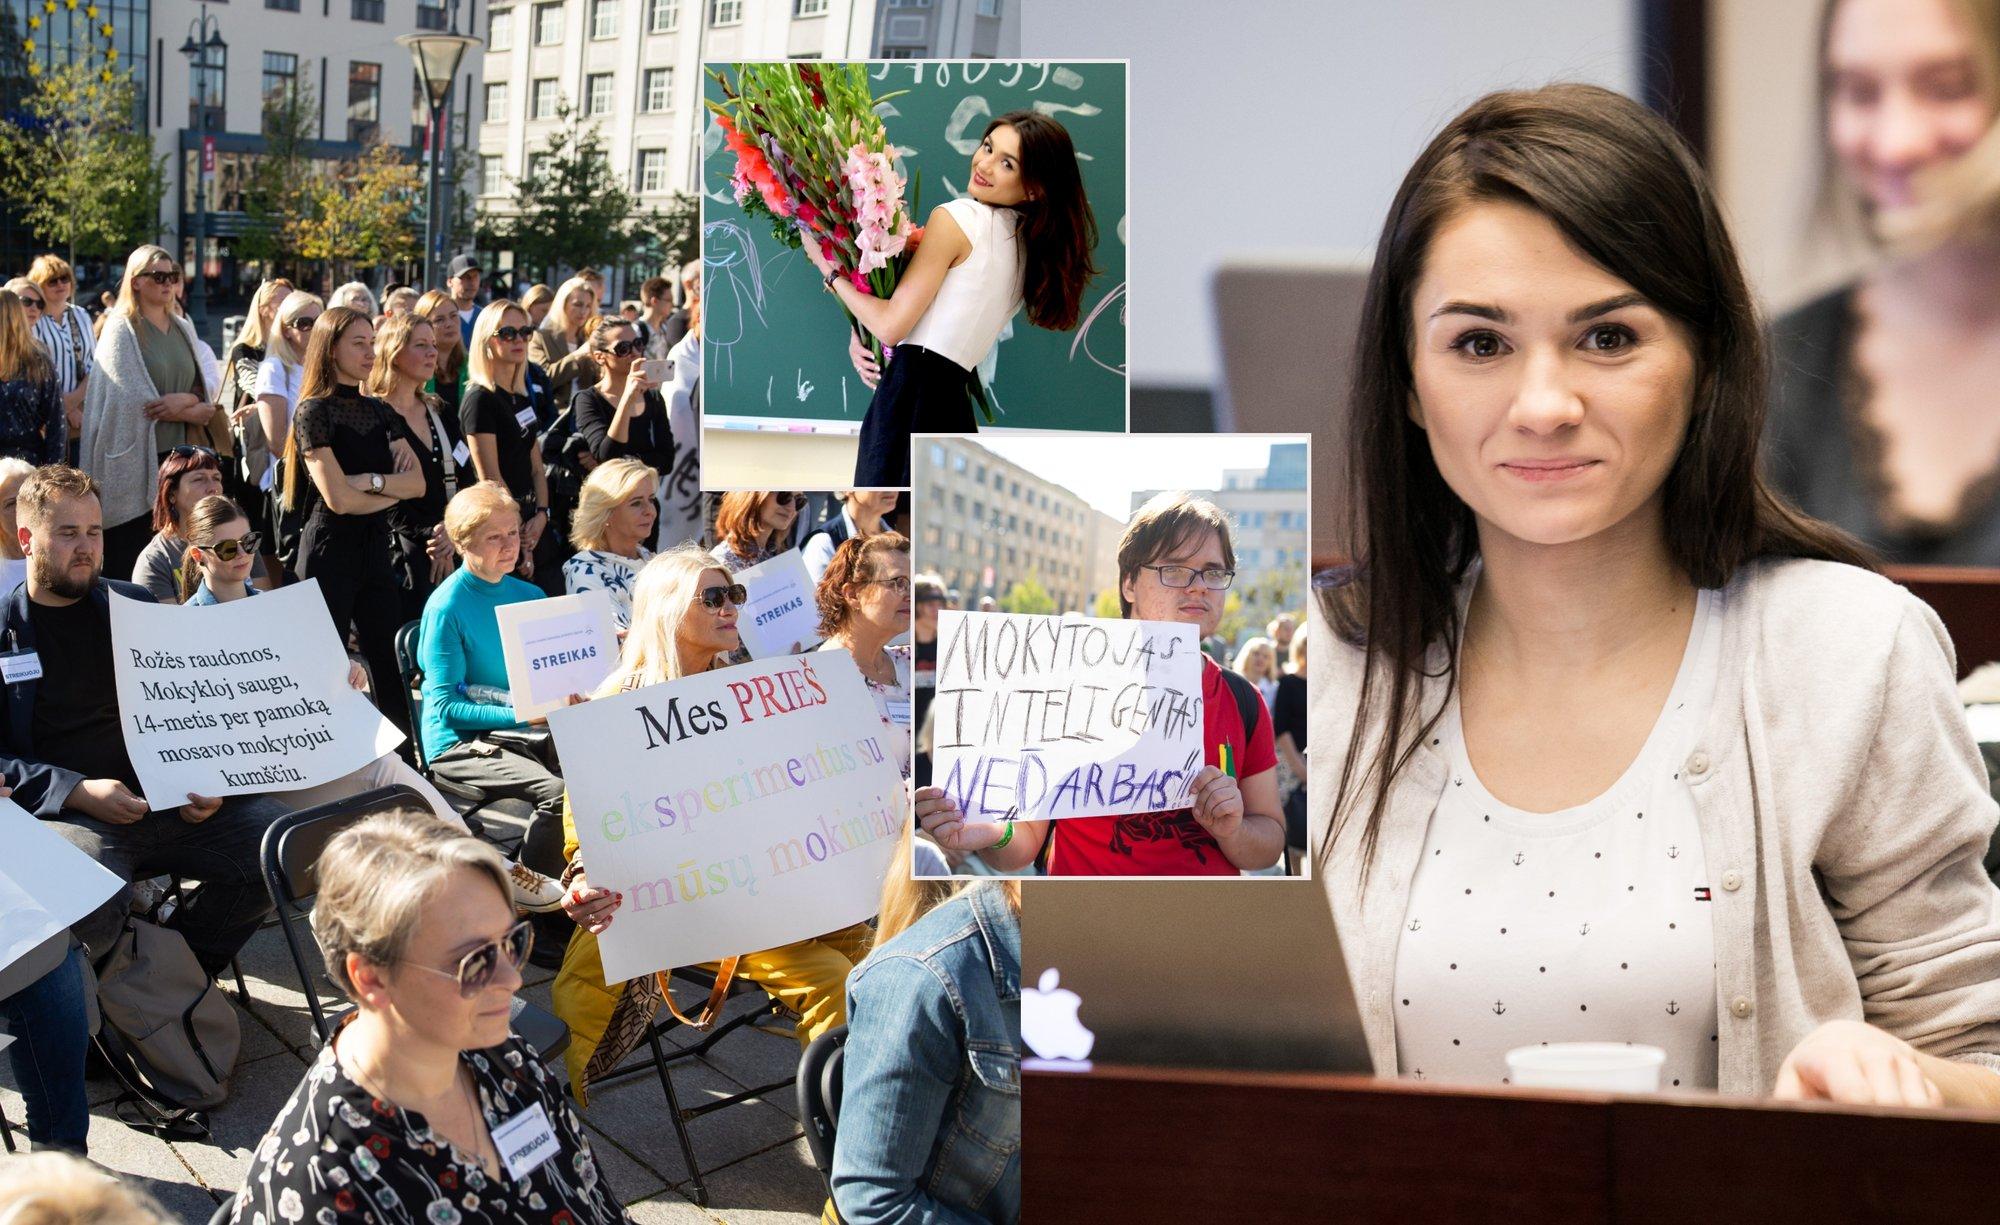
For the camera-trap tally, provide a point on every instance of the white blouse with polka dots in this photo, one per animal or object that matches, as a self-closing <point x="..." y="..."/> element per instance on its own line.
<point x="1586" y="925"/>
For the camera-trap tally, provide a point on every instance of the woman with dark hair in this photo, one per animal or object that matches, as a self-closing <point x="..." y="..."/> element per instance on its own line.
<point x="188" y="474"/>
<point x="32" y="425"/>
<point x="1632" y="746"/>
<point x="347" y="465"/>
<point x="621" y="413"/>
<point x="1022" y="233"/>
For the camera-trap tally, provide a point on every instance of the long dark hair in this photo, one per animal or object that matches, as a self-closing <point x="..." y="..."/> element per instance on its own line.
<point x="1058" y="231"/>
<point x="1625" y="191"/>
<point x="320" y="377"/>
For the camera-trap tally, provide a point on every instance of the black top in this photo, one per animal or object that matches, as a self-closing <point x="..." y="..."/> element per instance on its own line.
<point x="76" y="704"/>
<point x="1288" y="712"/>
<point x="412" y="520"/>
<point x="648" y="437"/>
<point x="1821" y="452"/>
<point x="359" y="429"/>
<point x="923" y="680"/>
<point x="488" y="411"/>
<point x="32" y="424"/>
<point x="336" y="1153"/>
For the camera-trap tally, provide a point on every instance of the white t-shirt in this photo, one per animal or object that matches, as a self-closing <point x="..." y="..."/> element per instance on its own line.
<point x="1586" y="925"/>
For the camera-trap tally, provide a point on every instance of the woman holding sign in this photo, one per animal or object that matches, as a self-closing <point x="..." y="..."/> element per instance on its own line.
<point x="683" y="623"/>
<point x="615" y="515"/>
<point x="864" y="601"/>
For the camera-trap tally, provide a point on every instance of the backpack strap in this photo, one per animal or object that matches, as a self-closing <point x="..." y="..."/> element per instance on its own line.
<point x="1249" y="703"/>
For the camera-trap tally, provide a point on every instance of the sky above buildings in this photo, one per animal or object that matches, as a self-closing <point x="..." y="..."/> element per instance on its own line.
<point x="1104" y="470"/>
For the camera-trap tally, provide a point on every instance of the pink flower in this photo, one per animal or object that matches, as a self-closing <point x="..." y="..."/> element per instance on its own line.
<point x="861" y="283"/>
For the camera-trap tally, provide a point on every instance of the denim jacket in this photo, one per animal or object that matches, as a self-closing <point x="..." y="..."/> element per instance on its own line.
<point x="930" y="1104"/>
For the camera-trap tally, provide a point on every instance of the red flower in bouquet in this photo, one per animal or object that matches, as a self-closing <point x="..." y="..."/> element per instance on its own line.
<point x="753" y="170"/>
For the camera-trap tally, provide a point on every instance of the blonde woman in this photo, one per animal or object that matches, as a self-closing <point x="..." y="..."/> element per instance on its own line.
<point x="239" y="399"/>
<point x="406" y="358"/>
<point x="683" y="623"/>
<point x="64" y="330"/>
<point x="498" y="417"/>
<point x="448" y="385"/>
<point x="559" y="341"/>
<point x="614" y="518"/>
<point x="1257" y="662"/>
<point x="146" y="393"/>
<point x="31" y="412"/>
<point x="58" y="1188"/>
<point x="537" y="302"/>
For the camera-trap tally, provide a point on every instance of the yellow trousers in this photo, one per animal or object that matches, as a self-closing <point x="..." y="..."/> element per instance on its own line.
<point x="810" y="977"/>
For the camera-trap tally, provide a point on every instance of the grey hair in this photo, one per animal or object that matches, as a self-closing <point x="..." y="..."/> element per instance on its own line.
<point x="356" y="295"/>
<point x="375" y="878"/>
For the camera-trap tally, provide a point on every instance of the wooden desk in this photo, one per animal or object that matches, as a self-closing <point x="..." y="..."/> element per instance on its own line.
<point x="1123" y="1144"/>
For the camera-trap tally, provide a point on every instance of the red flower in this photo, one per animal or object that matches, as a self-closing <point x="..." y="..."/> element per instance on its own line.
<point x="861" y="283"/>
<point x="841" y="231"/>
<point x="563" y="1217"/>
<point x="379" y="1145"/>
<point x="449" y="1178"/>
<point x="343" y="1200"/>
<point x="807" y="213"/>
<point x="827" y="249"/>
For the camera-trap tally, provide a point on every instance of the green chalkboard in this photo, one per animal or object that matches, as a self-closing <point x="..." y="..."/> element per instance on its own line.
<point x="775" y="351"/>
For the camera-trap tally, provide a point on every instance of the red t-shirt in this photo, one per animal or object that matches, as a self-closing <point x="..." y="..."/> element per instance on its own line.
<point x="1169" y="843"/>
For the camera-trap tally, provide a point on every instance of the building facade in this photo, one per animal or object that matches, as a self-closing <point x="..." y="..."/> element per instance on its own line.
<point x="948" y="29"/>
<point x="1271" y="530"/>
<point x="984" y="523"/>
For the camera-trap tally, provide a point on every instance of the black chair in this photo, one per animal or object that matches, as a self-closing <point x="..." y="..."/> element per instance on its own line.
<point x="223" y="1210"/>
<point x="291" y="851"/>
<point x="469" y="804"/>
<point x="819" y="1098"/>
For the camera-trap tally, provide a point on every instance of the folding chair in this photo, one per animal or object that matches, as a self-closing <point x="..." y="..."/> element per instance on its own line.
<point x="290" y="854"/>
<point x="468" y="804"/>
<point x="223" y="1210"/>
<point x="819" y="1098"/>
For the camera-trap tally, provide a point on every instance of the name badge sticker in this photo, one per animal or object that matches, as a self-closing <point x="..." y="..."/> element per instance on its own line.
<point x="21" y="666"/>
<point x="460" y="454"/>
<point x="525" y="1142"/>
<point x="526" y="418"/>
<point x="899" y="711"/>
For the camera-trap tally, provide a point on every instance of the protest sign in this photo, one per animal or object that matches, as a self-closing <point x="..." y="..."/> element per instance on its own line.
<point x="1038" y="718"/>
<point x="736" y="810"/>
<point x="782" y="615"/>
<point x="557" y="647"/>
<point x="46" y="884"/>
<point x="238" y="698"/>
<point x="13" y="572"/>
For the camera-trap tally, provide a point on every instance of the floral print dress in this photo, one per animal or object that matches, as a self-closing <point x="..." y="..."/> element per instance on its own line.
<point x="336" y="1155"/>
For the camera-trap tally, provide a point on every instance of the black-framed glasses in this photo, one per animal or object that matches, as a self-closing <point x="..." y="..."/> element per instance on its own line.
<point x="476" y="969"/>
<point x="624" y="348"/>
<point x="304" y="324"/>
<point x="171" y="276"/>
<point x="511" y="334"/>
<point x="898" y="583"/>
<point x="230" y="550"/>
<point x="789" y="499"/>
<point x="37" y="303"/>
<point x="190" y="450"/>
<point x="1215" y="578"/>
<point x="712" y="597"/>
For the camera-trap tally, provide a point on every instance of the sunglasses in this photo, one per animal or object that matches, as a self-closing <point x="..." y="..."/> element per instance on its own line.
<point x="477" y="968"/>
<point x="788" y="499"/>
<point x="230" y="550"/>
<point x="303" y="325"/>
<point x="163" y="278"/>
<point x="58" y="280"/>
<point x="511" y="334"/>
<point x="712" y="597"/>
<point x="624" y="348"/>
<point x="189" y="450"/>
<point x="37" y="303"/>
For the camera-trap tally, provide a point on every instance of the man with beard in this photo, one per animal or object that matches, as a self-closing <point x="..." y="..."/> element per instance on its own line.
<point x="62" y="746"/>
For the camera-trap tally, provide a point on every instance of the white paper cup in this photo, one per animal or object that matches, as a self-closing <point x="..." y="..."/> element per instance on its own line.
<point x="1606" y="1067"/>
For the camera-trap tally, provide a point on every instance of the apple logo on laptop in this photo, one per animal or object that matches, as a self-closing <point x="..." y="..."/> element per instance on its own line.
<point x="1051" y="1027"/>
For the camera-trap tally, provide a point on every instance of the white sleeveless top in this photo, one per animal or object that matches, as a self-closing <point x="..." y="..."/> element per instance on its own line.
<point x="979" y="295"/>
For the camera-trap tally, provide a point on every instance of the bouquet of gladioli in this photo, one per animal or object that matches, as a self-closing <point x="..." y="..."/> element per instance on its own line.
<point x="813" y="156"/>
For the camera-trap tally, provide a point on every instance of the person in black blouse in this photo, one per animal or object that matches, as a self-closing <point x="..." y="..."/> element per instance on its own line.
<point x="32" y="425"/>
<point x="1288" y="723"/>
<point x="623" y="413"/>
<point x="406" y="355"/>
<point x="423" y="1107"/>
<point x="499" y="418"/>
<point x="347" y="464"/>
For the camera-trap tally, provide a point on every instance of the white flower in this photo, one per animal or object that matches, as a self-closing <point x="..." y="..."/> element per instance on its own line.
<point x="336" y="1177"/>
<point x="441" y="1212"/>
<point x="290" y="1206"/>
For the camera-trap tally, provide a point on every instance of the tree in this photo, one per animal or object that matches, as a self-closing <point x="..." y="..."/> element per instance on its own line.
<point x="1027" y="596"/>
<point x="278" y="192"/>
<point x="1107" y="604"/>
<point x="669" y="237"/>
<point x="76" y="167"/>
<point x="572" y="208"/>
<point x="364" y="213"/>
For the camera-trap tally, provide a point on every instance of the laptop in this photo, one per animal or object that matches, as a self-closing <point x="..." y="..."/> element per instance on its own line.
<point x="1187" y="973"/>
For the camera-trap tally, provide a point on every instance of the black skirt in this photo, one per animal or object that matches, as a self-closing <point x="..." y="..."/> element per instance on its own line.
<point x="921" y="393"/>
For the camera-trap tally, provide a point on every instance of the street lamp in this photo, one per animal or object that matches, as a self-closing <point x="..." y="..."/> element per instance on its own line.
<point x="437" y="57"/>
<point x="204" y="46"/>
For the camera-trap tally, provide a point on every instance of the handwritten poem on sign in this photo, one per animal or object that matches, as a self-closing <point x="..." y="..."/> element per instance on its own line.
<point x="238" y="698"/>
<point x="736" y="810"/>
<point x="1040" y="718"/>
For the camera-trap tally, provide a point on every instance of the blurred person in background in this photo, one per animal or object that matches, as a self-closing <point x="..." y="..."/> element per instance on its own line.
<point x="33" y="425"/>
<point x="65" y="332"/>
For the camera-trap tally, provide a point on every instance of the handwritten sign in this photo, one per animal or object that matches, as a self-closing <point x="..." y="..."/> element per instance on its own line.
<point x="241" y="697"/>
<point x="557" y="647"/>
<point x="1038" y="718"/>
<point x="782" y="617"/>
<point x="45" y="883"/>
<point x="736" y="810"/>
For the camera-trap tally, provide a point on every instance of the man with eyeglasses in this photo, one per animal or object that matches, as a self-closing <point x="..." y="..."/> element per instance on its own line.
<point x="1175" y="563"/>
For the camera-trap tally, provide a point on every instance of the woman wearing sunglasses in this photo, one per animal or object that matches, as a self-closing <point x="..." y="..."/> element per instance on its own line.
<point x="31" y="413"/>
<point x="279" y="376"/>
<point x="188" y="474"/>
<point x="614" y="517"/>
<point x="752" y="526"/>
<point x="683" y="622"/>
<point x="864" y="601"/>
<point x="147" y="392"/>
<point x="623" y="413"/>
<point x="65" y="331"/>
<point x="423" y="1106"/>
<point x="500" y="421"/>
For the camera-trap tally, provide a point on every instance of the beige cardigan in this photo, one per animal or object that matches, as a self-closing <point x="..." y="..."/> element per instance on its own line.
<point x="1844" y="812"/>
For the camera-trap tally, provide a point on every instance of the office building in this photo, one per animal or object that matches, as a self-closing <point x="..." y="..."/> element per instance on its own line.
<point x="984" y="523"/>
<point x="948" y="29"/>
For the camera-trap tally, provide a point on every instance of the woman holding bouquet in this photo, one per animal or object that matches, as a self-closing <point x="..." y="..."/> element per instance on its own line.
<point x="1023" y="233"/>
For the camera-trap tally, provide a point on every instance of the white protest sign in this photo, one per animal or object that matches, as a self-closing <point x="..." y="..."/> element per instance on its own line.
<point x="239" y="698"/>
<point x="736" y="810"/>
<point x="45" y="883"/>
<point x="1037" y="718"/>
<point x="557" y="647"/>
<point x="782" y="615"/>
<point x="13" y="572"/>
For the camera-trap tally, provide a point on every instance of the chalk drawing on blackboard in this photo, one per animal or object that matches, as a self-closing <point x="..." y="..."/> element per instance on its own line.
<point x="770" y="382"/>
<point x="804" y="387"/>
<point x="1083" y="329"/>
<point x="732" y="282"/>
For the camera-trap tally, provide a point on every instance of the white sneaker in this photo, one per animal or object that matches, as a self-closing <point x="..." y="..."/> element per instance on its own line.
<point x="534" y="892"/>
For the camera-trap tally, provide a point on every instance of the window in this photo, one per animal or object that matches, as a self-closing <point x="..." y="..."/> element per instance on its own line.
<point x="430" y="15"/>
<point x="366" y="10"/>
<point x="490" y="181"/>
<point x="979" y="511"/>
<point x="989" y="8"/>
<point x="542" y="102"/>
<point x="958" y="503"/>
<point x="281" y="76"/>
<point x="500" y="30"/>
<point x="902" y="53"/>
<point x="205" y="104"/>
<point x="364" y="102"/>
<point x="958" y="463"/>
<point x="604" y="16"/>
<point x="284" y="6"/>
<point x="662" y="16"/>
<point x="536" y="163"/>
<point x="652" y="171"/>
<point x="909" y="4"/>
<point x="808" y="8"/>
<point x="659" y="94"/>
<point x="597" y="94"/>
<point x="725" y="12"/>
<point x="548" y="24"/>
<point x="496" y="101"/>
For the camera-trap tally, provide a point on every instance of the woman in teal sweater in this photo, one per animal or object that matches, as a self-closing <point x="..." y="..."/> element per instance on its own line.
<point x="459" y="651"/>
